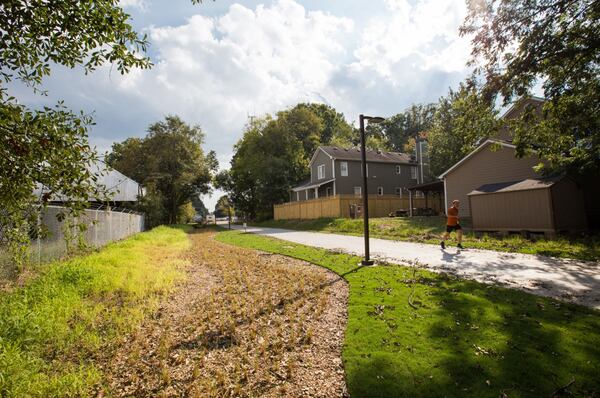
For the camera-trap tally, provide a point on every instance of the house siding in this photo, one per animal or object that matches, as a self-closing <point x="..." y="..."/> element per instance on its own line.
<point x="485" y="167"/>
<point x="379" y="175"/>
<point x="321" y="158"/>
<point x="513" y="211"/>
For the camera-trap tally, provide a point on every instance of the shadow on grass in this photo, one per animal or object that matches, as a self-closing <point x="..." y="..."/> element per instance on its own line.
<point x="483" y="341"/>
<point x="464" y="339"/>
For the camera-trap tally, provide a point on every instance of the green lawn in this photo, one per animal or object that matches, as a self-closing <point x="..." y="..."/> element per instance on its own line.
<point x="429" y="230"/>
<point x="416" y="333"/>
<point x="52" y="329"/>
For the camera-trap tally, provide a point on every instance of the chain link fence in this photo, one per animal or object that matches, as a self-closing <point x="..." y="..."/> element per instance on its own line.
<point x="102" y="225"/>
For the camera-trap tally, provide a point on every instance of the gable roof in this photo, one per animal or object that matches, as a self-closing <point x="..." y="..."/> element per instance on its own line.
<point x="509" y="114"/>
<point x="512" y="186"/>
<point x="118" y="186"/>
<point x="487" y="142"/>
<point x="372" y="156"/>
<point x="520" y="105"/>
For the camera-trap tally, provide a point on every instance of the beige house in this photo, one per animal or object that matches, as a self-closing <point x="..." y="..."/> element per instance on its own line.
<point x="493" y="161"/>
<point x="501" y="192"/>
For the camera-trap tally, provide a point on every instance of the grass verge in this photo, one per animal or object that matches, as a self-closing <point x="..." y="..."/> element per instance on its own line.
<point x="429" y="230"/>
<point x="415" y="333"/>
<point x="52" y="329"/>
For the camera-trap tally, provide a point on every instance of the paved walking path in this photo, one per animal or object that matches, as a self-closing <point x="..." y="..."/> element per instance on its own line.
<point x="570" y="280"/>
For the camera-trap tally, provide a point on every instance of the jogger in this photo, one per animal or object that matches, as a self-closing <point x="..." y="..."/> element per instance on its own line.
<point x="452" y="224"/>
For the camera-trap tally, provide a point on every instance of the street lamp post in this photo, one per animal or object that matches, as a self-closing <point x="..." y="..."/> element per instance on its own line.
<point x="365" y="192"/>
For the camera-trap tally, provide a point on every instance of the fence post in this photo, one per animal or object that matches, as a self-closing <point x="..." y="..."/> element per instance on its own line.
<point x="109" y="224"/>
<point x="95" y="228"/>
<point x="39" y="232"/>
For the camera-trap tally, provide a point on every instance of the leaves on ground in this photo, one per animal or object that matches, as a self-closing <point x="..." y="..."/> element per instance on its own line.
<point x="244" y="323"/>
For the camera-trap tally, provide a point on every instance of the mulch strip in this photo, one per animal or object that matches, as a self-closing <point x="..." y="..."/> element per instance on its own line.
<point x="243" y="324"/>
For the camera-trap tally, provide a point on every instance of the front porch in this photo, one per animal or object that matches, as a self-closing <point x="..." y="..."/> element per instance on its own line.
<point x="313" y="190"/>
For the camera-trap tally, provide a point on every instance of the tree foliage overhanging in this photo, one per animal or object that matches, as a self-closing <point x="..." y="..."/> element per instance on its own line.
<point x="49" y="148"/>
<point x="171" y="165"/>
<point x="519" y="44"/>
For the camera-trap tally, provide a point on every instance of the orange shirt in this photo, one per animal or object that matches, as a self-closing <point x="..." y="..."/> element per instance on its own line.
<point x="452" y="216"/>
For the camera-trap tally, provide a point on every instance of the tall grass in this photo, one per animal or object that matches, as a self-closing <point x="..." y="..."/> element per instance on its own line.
<point x="53" y="328"/>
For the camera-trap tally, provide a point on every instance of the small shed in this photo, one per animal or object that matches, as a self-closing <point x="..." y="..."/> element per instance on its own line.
<point x="547" y="205"/>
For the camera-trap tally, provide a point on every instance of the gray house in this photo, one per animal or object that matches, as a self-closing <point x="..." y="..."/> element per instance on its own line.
<point x="337" y="171"/>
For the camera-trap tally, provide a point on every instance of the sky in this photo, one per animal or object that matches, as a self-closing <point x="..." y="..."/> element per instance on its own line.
<point x="217" y="63"/>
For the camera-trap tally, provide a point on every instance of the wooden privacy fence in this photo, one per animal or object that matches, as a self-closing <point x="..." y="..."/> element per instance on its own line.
<point x="341" y="205"/>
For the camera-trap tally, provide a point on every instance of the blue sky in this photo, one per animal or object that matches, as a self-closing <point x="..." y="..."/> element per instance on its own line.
<point x="218" y="62"/>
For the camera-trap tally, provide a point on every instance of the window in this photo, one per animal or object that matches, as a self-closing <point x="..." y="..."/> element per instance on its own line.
<point x="398" y="169"/>
<point x="380" y="191"/>
<point x="413" y="172"/>
<point x="419" y="194"/>
<point x="357" y="191"/>
<point x="329" y="191"/>
<point x="398" y="191"/>
<point x="321" y="172"/>
<point x="344" y="169"/>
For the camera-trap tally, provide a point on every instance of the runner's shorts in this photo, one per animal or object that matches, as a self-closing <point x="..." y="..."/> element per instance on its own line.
<point x="450" y="228"/>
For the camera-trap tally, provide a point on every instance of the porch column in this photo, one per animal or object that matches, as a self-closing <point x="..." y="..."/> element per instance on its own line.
<point x="410" y="204"/>
<point x="297" y="196"/>
<point x="317" y="193"/>
<point x="306" y="193"/>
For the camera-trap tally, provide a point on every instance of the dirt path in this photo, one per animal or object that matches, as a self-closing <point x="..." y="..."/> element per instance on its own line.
<point x="243" y="324"/>
<point x="569" y="280"/>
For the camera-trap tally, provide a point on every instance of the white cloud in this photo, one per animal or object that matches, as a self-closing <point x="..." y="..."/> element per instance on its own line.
<point x="424" y="35"/>
<point x="216" y="71"/>
<point x="139" y="4"/>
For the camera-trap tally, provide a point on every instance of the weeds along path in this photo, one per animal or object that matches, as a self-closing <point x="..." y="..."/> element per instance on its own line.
<point x="244" y="324"/>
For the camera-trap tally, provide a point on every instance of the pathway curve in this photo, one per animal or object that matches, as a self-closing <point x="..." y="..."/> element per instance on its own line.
<point x="569" y="280"/>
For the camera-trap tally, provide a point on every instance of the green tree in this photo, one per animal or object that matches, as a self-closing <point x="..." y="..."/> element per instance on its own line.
<point x="49" y="147"/>
<point x="268" y="160"/>
<point x="333" y="123"/>
<point x="518" y="44"/>
<point x="397" y="130"/>
<point x="224" y="207"/>
<point x="460" y="121"/>
<point x="302" y="124"/>
<point x="199" y="206"/>
<point x="274" y="154"/>
<point x="170" y="159"/>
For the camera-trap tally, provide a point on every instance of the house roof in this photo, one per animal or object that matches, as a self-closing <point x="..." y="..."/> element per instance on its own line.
<point x="309" y="185"/>
<point x="508" y="114"/>
<point x="118" y="186"/>
<point x="372" y="156"/>
<point x="513" y="186"/>
<point x="477" y="150"/>
<point x="433" y="186"/>
<point x="518" y="105"/>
